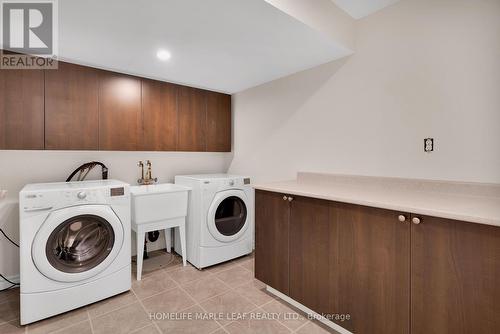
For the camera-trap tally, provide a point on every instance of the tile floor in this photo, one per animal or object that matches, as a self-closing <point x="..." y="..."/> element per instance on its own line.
<point x="227" y="290"/>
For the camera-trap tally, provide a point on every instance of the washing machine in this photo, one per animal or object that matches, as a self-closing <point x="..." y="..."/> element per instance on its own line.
<point x="74" y="245"/>
<point x="220" y="220"/>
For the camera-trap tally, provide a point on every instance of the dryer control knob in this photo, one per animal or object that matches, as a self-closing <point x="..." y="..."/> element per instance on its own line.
<point x="231" y="183"/>
<point x="81" y="195"/>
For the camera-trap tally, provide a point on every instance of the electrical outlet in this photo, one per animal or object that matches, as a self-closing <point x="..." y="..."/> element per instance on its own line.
<point x="428" y="145"/>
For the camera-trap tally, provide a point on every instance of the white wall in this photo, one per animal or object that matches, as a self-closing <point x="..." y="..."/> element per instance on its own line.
<point x="18" y="168"/>
<point x="422" y="68"/>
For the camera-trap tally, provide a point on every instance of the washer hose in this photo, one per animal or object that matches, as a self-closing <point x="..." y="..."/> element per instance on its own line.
<point x="85" y="169"/>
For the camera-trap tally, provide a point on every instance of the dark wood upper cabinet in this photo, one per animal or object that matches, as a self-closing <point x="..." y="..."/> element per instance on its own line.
<point x="71" y="108"/>
<point x="159" y="113"/>
<point x="192" y="113"/>
<point x="21" y="109"/>
<point x="455" y="277"/>
<point x="218" y="122"/>
<point x="272" y="220"/>
<point x="120" y="122"/>
<point x="311" y="252"/>
<point x="373" y="272"/>
<point x="82" y="108"/>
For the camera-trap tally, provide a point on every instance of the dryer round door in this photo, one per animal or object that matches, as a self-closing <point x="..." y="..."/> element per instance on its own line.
<point x="77" y="243"/>
<point x="228" y="216"/>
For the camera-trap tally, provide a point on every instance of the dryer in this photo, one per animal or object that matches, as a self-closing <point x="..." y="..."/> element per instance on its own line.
<point x="220" y="221"/>
<point x="74" y="245"/>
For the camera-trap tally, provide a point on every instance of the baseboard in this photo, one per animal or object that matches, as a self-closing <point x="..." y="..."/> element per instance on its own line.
<point x="308" y="311"/>
<point x="4" y="284"/>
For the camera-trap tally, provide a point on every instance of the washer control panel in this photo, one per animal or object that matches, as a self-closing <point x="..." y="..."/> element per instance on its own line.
<point x="237" y="182"/>
<point x="85" y="196"/>
<point x="234" y="183"/>
<point x="38" y="201"/>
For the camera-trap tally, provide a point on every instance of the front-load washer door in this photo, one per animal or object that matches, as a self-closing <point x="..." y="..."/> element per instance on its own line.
<point x="77" y="243"/>
<point x="228" y="215"/>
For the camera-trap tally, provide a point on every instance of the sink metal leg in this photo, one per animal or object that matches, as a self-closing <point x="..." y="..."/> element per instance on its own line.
<point x="182" y="235"/>
<point x="140" y="252"/>
<point x="168" y="240"/>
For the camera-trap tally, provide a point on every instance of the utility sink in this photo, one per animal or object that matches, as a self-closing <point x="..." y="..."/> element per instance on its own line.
<point x="159" y="207"/>
<point x="158" y="202"/>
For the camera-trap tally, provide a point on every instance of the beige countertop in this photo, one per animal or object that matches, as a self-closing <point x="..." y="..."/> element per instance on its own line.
<point x="471" y="202"/>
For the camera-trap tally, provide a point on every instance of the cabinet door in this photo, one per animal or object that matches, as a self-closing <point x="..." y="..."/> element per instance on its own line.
<point x="271" y="240"/>
<point x="159" y="112"/>
<point x="372" y="280"/>
<point x="192" y="119"/>
<point x="455" y="277"/>
<point x="310" y="253"/>
<point x="120" y="123"/>
<point x="218" y="122"/>
<point x="71" y="108"/>
<point x="21" y="110"/>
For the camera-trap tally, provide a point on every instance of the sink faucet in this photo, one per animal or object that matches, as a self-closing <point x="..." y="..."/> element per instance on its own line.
<point x="148" y="179"/>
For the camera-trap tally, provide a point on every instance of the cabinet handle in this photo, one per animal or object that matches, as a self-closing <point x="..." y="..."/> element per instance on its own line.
<point x="416" y="220"/>
<point x="285" y="198"/>
<point x="290" y="199"/>
<point x="402" y="218"/>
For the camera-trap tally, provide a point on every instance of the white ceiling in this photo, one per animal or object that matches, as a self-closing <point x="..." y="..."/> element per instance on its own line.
<point x="223" y="45"/>
<point x="362" y="8"/>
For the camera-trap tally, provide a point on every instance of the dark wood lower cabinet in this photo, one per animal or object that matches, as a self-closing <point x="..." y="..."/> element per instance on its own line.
<point x="372" y="276"/>
<point x="310" y="252"/>
<point x="344" y="260"/>
<point x="455" y="283"/>
<point x="391" y="276"/>
<point x="271" y="240"/>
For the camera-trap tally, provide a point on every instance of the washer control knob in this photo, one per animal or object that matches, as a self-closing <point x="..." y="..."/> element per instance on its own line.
<point x="231" y="183"/>
<point x="81" y="195"/>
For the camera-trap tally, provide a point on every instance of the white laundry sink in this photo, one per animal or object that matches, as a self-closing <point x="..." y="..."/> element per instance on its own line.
<point x="158" y="202"/>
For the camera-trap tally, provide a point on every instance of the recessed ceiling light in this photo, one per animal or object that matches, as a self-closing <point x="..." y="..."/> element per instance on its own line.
<point x="163" y="54"/>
